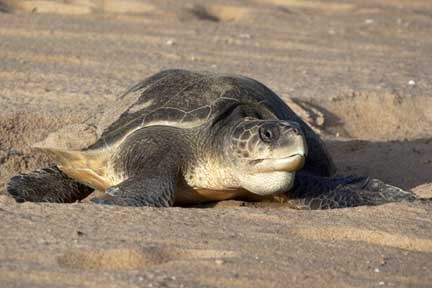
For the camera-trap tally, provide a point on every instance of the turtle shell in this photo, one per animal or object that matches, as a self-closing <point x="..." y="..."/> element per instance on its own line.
<point x="182" y="99"/>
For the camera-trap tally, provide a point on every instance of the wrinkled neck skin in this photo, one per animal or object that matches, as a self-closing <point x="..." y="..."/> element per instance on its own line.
<point x="207" y="166"/>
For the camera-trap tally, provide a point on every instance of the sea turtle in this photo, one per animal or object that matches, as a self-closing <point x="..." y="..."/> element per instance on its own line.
<point x="182" y="137"/>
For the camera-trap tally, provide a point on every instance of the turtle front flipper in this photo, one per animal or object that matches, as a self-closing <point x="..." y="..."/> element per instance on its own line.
<point x="314" y="192"/>
<point x="149" y="161"/>
<point x="47" y="185"/>
<point x="153" y="191"/>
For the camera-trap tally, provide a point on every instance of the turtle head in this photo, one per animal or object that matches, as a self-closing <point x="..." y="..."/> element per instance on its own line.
<point x="265" y="154"/>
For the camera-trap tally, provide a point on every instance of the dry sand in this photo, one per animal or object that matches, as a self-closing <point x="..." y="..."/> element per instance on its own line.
<point x="359" y="71"/>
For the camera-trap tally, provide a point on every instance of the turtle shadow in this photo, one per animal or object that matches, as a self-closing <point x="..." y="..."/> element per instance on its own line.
<point x="403" y="163"/>
<point x="319" y="118"/>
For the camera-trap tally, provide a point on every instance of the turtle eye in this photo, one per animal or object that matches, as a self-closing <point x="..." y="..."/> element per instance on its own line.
<point x="269" y="133"/>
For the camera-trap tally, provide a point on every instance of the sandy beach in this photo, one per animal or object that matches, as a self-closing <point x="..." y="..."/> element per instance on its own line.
<point x="359" y="72"/>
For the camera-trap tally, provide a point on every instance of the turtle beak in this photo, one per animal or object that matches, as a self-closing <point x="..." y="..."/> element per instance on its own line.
<point x="288" y="164"/>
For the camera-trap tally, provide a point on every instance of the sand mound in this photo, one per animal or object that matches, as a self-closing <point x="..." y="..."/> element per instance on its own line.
<point x="373" y="115"/>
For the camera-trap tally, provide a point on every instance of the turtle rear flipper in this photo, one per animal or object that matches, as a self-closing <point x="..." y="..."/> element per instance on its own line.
<point x="314" y="192"/>
<point x="46" y="185"/>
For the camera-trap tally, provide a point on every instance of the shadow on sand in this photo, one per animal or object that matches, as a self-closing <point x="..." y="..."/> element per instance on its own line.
<point x="403" y="163"/>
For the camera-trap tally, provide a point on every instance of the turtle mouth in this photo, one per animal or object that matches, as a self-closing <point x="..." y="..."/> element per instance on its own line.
<point x="287" y="164"/>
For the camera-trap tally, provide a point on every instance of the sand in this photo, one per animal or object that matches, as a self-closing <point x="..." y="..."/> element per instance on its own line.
<point x="358" y="71"/>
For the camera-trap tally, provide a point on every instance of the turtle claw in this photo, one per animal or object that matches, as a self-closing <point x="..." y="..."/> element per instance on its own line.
<point x="114" y="191"/>
<point x="105" y="200"/>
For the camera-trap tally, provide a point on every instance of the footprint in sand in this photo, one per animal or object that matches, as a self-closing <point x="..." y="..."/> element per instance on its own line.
<point x="393" y="240"/>
<point x="219" y="13"/>
<point x="327" y="7"/>
<point x="76" y="7"/>
<point x="128" y="259"/>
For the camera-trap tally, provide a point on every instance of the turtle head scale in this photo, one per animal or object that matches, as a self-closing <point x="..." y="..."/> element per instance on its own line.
<point x="266" y="154"/>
